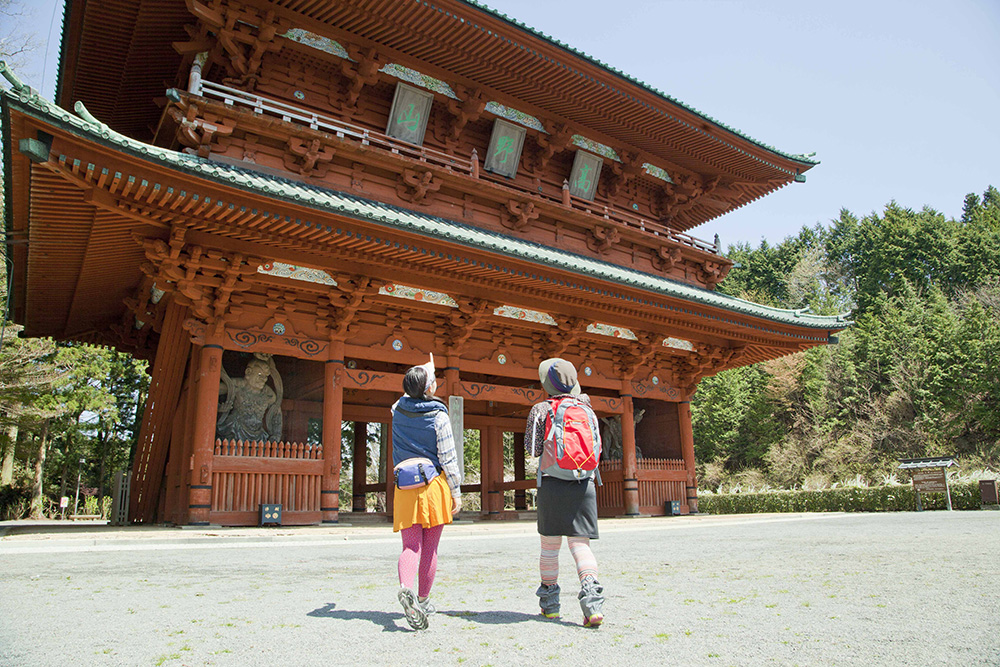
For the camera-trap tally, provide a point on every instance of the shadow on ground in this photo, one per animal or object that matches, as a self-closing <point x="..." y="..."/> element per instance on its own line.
<point x="388" y="620"/>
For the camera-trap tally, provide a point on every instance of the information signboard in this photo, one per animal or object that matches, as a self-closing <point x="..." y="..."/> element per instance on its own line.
<point x="929" y="480"/>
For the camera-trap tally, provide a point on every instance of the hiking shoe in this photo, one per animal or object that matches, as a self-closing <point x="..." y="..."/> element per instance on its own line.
<point x="591" y="602"/>
<point x="426" y="607"/>
<point x="548" y="599"/>
<point x="415" y="616"/>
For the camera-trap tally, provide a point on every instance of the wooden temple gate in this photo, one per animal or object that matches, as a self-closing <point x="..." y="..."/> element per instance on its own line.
<point x="330" y="191"/>
<point x="226" y="484"/>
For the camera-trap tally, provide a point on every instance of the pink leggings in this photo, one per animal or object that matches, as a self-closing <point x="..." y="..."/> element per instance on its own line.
<point x="420" y="545"/>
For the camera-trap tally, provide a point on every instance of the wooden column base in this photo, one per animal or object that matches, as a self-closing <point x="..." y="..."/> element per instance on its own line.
<point x="630" y="491"/>
<point x="330" y="506"/>
<point x="692" y="499"/>
<point x="358" y="502"/>
<point x="199" y="504"/>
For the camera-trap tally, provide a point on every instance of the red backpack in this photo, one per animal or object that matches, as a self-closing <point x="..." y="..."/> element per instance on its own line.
<point x="572" y="440"/>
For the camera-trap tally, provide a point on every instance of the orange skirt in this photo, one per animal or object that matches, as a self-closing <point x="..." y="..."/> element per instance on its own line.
<point x="428" y="506"/>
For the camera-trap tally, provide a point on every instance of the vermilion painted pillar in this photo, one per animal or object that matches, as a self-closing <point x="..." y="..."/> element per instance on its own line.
<point x="485" y="472"/>
<point x="360" y="470"/>
<point x="390" y="480"/>
<point x="206" y="412"/>
<point x="333" y="413"/>
<point x="520" y="496"/>
<point x="451" y="378"/>
<point x="495" y="495"/>
<point x="177" y="468"/>
<point x="630" y="467"/>
<point x="687" y="451"/>
<point x="187" y="441"/>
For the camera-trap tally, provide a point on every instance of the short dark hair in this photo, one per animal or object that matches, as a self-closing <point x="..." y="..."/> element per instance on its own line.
<point x="415" y="382"/>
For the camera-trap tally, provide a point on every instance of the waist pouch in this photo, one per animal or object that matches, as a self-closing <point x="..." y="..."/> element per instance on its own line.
<point x="414" y="473"/>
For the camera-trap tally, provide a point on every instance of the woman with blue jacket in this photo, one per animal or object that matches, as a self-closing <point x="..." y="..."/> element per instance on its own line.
<point x="421" y="429"/>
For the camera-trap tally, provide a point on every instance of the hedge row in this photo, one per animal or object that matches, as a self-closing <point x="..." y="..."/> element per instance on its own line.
<point x="964" y="496"/>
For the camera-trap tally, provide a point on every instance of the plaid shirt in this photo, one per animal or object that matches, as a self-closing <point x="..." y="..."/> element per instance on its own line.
<point x="447" y="455"/>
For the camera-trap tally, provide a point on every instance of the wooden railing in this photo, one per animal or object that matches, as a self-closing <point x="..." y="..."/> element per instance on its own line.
<point x="289" y="113"/>
<point x="619" y="217"/>
<point x="277" y="450"/>
<point x="660" y="480"/>
<point x="248" y="474"/>
<point x="341" y="129"/>
<point x="640" y="224"/>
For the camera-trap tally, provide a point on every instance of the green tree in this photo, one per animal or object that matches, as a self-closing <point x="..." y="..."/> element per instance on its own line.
<point x="918" y="374"/>
<point x="732" y="419"/>
<point x="116" y="432"/>
<point x="17" y="42"/>
<point x="900" y="246"/>
<point x="978" y="241"/>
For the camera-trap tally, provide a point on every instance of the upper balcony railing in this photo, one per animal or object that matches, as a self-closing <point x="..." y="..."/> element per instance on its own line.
<point x="366" y="137"/>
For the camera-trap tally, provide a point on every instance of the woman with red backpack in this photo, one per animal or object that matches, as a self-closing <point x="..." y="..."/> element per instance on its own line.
<point x="564" y="432"/>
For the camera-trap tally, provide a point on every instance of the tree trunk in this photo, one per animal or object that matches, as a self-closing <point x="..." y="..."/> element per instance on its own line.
<point x="67" y="451"/>
<point x="36" y="493"/>
<point x="7" y="467"/>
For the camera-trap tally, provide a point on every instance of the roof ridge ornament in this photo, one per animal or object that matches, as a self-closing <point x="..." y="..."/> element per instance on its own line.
<point x="83" y="113"/>
<point x="15" y="83"/>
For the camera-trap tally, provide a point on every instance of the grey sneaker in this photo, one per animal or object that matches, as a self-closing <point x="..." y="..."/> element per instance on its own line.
<point x="426" y="607"/>
<point x="591" y="602"/>
<point x="548" y="599"/>
<point x="415" y="616"/>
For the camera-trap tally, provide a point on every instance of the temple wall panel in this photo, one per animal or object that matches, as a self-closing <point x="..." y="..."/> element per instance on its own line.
<point x="657" y="434"/>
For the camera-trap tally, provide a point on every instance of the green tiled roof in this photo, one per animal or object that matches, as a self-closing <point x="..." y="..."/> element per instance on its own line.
<point x="384" y="215"/>
<point x="804" y="159"/>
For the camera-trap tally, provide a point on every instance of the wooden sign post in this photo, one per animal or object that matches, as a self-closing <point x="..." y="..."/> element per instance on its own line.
<point x="929" y="475"/>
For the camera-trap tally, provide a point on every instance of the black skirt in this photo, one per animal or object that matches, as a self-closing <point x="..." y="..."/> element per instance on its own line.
<point x="567" y="507"/>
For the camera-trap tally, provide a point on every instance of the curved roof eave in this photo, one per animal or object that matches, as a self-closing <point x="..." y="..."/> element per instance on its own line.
<point x="321" y="199"/>
<point x="575" y="53"/>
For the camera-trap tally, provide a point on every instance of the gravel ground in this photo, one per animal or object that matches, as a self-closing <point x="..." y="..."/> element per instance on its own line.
<point x="812" y="589"/>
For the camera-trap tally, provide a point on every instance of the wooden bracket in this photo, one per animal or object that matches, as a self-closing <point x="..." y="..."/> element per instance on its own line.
<point x="713" y="272"/>
<point x="518" y="215"/>
<point x="602" y="238"/>
<point x="348" y="300"/>
<point x="567" y="333"/>
<point x="558" y="138"/>
<point x="414" y="186"/>
<point x="468" y="108"/>
<point x="666" y="258"/>
<point x="312" y="159"/>
<point x="463" y="321"/>
<point x="200" y="135"/>
<point x="363" y="71"/>
<point x="624" y="172"/>
<point x="244" y="34"/>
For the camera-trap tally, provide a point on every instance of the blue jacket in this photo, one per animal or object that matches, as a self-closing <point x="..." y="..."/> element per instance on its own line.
<point x="413" y="432"/>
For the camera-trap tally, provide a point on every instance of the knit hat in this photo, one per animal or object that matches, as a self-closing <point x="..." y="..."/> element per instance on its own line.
<point x="558" y="376"/>
<point x="429" y="367"/>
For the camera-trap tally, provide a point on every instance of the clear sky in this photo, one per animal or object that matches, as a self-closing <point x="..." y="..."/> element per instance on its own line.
<point x="900" y="99"/>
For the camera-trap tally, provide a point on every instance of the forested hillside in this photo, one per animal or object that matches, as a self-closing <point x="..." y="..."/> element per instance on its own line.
<point x="918" y="374"/>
